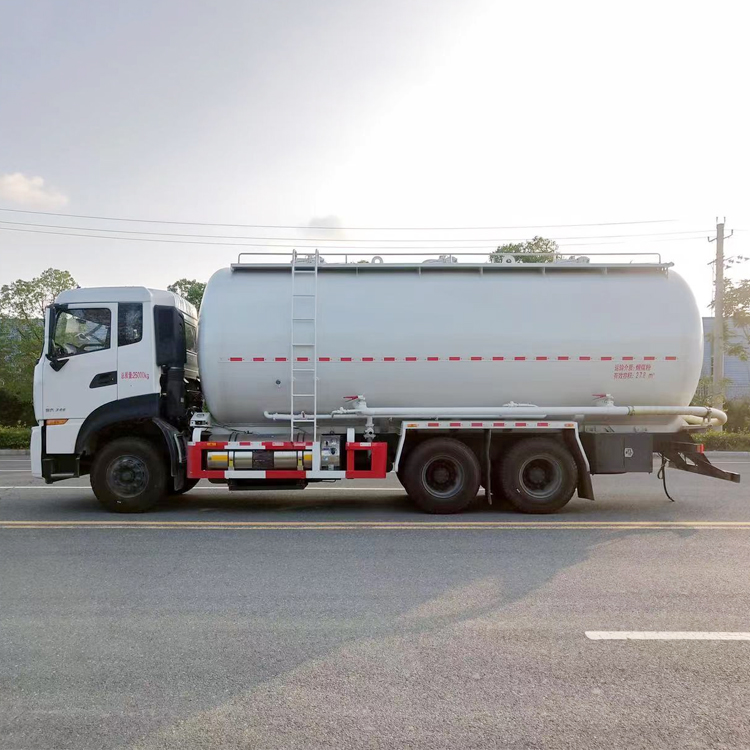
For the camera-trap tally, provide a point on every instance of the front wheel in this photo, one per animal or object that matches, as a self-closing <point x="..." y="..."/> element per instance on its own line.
<point x="129" y="476"/>
<point x="442" y="476"/>
<point x="538" y="475"/>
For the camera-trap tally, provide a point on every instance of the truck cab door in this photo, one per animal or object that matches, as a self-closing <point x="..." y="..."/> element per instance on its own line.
<point x="79" y="371"/>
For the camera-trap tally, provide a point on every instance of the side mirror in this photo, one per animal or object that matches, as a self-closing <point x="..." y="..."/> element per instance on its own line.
<point x="55" y="363"/>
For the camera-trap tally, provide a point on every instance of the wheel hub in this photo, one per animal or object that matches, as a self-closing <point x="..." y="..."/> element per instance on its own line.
<point x="541" y="477"/>
<point x="127" y="476"/>
<point x="443" y="476"/>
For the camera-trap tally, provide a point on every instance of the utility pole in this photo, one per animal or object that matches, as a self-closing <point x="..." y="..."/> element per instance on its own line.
<point x="718" y="337"/>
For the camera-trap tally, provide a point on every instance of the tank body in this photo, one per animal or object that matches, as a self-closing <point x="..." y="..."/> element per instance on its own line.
<point x="436" y="336"/>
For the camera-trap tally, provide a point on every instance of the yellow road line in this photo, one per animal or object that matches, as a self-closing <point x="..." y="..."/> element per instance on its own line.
<point x="380" y="525"/>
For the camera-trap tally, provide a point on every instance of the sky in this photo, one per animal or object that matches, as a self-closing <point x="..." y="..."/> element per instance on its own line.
<point x="345" y="113"/>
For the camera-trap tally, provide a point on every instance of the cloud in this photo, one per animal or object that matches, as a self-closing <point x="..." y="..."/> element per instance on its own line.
<point x="332" y="221"/>
<point x="30" y="191"/>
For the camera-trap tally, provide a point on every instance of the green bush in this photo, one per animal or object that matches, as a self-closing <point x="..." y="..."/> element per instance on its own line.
<point x="15" y="437"/>
<point x="724" y="441"/>
<point x="738" y="415"/>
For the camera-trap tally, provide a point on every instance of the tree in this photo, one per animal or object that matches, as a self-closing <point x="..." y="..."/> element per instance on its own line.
<point x="536" y="250"/>
<point x="22" y="306"/>
<point x="189" y="289"/>
<point x="737" y="310"/>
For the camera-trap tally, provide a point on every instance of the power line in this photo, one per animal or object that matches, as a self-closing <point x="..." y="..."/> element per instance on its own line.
<point x="490" y="246"/>
<point x="336" y="239"/>
<point x="373" y="229"/>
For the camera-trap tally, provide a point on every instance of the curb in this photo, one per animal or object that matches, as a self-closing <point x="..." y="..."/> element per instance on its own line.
<point x="14" y="452"/>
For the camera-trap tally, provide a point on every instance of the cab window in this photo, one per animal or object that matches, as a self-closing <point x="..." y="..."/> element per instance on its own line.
<point x="129" y="323"/>
<point x="81" y="331"/>
<point x="190" y="337"/>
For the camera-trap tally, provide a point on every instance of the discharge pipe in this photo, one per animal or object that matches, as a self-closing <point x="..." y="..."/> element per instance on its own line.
<point x="693" y="414"/>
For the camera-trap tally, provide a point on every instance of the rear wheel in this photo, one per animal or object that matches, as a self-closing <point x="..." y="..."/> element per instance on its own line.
<point x="538" y="475"/>
<point x="129" y="476"/>
<point x="499" y="498"/>
<point x="442" y="476"/>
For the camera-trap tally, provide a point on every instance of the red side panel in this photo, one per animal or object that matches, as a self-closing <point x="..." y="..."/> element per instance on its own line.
<point x="195" y="468"/>
<point x="378" y="460"/>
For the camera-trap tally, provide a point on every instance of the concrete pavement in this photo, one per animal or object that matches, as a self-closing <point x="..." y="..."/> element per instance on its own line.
<point x="339" y="617"/>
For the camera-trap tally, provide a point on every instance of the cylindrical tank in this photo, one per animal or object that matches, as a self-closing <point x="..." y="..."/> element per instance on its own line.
<point x="440" y="335"/>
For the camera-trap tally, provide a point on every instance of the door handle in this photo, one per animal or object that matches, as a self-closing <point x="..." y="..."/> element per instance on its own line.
<point x="104" y="378"/>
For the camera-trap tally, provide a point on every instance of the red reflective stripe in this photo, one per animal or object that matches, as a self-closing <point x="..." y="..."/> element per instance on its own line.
<point x="433" y="424"/>
<point x="476" y="424"/>
<point x="455" y="424"/>
<point x="520" y="424"/>
<point x="542" y="424"/>
<point x="285" y="474"/>
<point x="498" y="424"/>
<point x="520" y="358"/>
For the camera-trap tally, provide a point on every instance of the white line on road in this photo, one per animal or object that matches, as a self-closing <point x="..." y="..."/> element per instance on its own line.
<point x="24" y="471"/>
<point x="664" y="635"/>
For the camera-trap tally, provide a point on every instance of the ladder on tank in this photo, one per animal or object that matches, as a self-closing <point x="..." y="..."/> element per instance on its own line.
<point x="304" y="349"/>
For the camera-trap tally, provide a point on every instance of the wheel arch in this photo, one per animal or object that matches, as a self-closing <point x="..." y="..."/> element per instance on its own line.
<point x="131" y="417"/>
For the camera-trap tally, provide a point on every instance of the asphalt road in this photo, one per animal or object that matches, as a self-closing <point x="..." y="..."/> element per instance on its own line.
<point x="339" y="617"/>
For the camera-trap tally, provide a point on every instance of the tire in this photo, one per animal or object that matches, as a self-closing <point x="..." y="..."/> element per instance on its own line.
<point x="442" y="476"/>
<point x="187" y="485"/>
<point x="500" y="500"/>
<point x="538" y="475"/>
<point x="129" y="476"/>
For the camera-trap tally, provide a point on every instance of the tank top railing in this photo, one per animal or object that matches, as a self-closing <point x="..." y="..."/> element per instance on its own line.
<point x="422" y="256"/>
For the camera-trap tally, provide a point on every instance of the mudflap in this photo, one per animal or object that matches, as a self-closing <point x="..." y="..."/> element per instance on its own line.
<point x="585" y="486"/>
<point x="690" y="457"/>
<point x="177" y="448"/>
